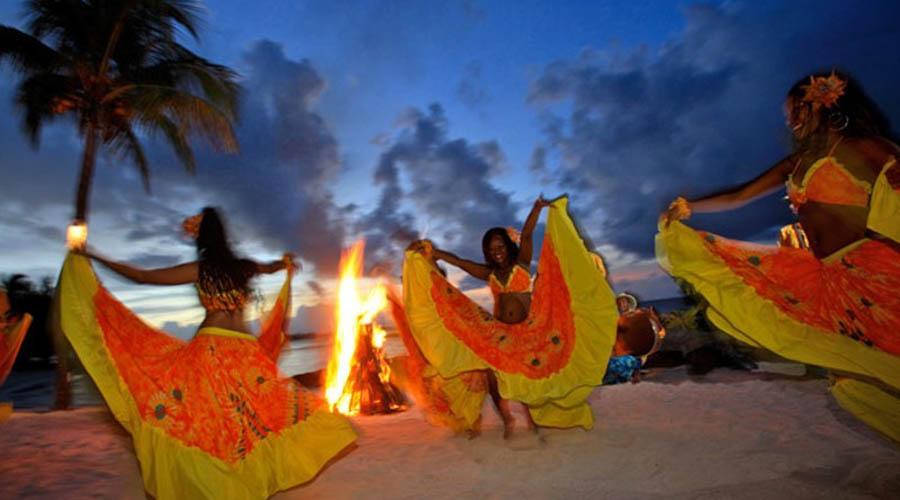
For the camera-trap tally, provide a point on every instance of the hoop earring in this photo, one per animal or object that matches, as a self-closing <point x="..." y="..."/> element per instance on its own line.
<point x="838" y="121"/>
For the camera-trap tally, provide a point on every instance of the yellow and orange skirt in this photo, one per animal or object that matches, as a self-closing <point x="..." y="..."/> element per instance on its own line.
<point x="11" y="336"/>
<point x="551" y="361"/>
<point x="841" y="312"/>
<point x="211" y="417"/>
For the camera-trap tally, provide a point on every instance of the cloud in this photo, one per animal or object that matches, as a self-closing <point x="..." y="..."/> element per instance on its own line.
<point x="445" y="182"/>
<point x="278" y="188"/>
<point x="316" y="287"/>
<point x="276" y="191"/>
<point x="634" y="129"/>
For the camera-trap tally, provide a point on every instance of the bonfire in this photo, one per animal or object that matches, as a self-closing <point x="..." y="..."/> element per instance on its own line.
<point x="358" y="376"/>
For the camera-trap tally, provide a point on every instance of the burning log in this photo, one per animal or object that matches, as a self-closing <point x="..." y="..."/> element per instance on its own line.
<point x="369" y="387"/>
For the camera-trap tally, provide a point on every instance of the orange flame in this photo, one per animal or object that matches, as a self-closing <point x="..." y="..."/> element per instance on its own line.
<point x="351" y="313"/>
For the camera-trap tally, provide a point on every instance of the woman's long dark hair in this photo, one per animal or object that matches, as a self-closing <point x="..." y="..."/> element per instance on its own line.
<point x="854" y="114"/>
<point x="217" y="262"/>
<point x="512" y="250"/>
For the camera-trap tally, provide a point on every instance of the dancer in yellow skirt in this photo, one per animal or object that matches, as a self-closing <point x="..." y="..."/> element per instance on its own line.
<point x="211" y="417"/>
<point x="836" y="303"/>
<point x="12" y="332"/>
<point x="13" y="328"/>
<point x="547" y="347"/>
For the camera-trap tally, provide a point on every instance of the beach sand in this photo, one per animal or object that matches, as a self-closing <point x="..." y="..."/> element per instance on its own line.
<point x="729" y="434"/>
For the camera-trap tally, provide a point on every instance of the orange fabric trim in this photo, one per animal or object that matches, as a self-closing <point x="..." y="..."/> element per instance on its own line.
<point x="537" y="347"/>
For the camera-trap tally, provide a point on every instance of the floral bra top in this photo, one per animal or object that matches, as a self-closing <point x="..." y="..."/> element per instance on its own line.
<point x="216" y="295"/>
<point x="518" y="281"/>
<point x="828" y="181"/>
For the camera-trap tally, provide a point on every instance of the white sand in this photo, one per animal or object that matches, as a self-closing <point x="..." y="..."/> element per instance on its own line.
<point x="727" y="435"/>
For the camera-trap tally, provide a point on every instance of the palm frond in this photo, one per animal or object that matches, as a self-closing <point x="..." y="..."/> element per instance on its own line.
<point x="195" y="75"/>
<point x="175" y="135"/>
<point x="27" y="53"/>
<point x="37" y="96"/>
<point x="192" y="113"/>
<point x="185" y="13"/>
<point x="125" y="142"/>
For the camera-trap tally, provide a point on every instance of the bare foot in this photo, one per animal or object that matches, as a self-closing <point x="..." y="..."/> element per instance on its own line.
<point x="509" y="424"/>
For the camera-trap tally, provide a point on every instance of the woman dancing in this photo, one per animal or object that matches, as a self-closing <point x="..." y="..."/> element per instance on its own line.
<point x="546" y="347"/>
<point x="211" y="417"/>
<point x="835" y="304"/>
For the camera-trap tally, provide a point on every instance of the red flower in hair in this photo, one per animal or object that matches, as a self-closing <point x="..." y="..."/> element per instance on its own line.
<point x="824" y="91"/>
<point x="191" y="225"/>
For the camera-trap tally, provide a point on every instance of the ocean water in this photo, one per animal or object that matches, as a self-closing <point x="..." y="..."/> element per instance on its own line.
<point x="311" y="354"/>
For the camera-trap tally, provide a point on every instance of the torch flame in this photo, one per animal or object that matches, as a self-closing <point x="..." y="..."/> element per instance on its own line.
<point x="76" y="236"/>
<point x="351" y="313"/>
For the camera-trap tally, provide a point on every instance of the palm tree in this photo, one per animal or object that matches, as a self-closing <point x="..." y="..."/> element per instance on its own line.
<point x="116" y="67"/>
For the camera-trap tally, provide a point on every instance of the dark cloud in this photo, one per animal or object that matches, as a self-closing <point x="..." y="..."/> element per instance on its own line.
<point x="445" y="182"/>
<point x="315" y="287"/>
<point x="704" y="112"/>
<point x="153" y="260"/>
<point x="276" y="190"/>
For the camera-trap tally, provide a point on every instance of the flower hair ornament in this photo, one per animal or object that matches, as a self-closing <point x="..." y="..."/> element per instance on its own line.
<point x="514" y="235"/>
<point x="824" y="91"/>
<point x="191" y="225"/>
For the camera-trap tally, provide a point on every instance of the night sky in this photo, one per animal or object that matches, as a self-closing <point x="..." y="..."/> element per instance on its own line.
<point x="394" y="120"/>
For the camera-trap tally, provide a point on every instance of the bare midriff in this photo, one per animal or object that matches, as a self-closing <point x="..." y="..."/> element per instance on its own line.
<point x="229" y="320"/>
<point x="830" y="228"/>
<point x="512" y="307"/>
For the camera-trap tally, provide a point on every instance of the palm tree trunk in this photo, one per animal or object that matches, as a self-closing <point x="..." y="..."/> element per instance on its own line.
<point x="62" y="348"/>
<point x="87" y="173"/>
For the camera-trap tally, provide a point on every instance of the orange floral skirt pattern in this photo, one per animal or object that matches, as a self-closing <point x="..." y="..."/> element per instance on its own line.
<point x="438" y="397"/>
<point x="538" y="346"/>
<point x="209" y="418"/>
<point x="552" y="360"/>
<point x="854" y="293"/>
<point x="221" y="393"/>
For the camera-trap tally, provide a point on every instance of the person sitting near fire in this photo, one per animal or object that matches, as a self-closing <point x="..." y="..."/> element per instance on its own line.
<point x="546" y="346"/>
<point x="834" y="304"/>
<point x="211" y="417"/>
<point x="639" y="334"/>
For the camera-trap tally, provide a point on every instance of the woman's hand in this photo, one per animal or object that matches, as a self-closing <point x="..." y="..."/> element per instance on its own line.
<point x="541" y="202"/>
<point x="290" y="262"/>
<point x="425" y="247"/>
<point x="893" y="176"/>
<point x="679" y="209"/>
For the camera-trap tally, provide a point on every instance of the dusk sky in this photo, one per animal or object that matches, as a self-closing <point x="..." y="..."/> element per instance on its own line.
<point x="393" y="120"/>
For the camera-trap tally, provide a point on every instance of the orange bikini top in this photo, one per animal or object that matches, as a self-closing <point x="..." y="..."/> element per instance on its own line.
<point x="827" y="181"/>
<point x="518" y="281"/>
<point x="216" y="295"/>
